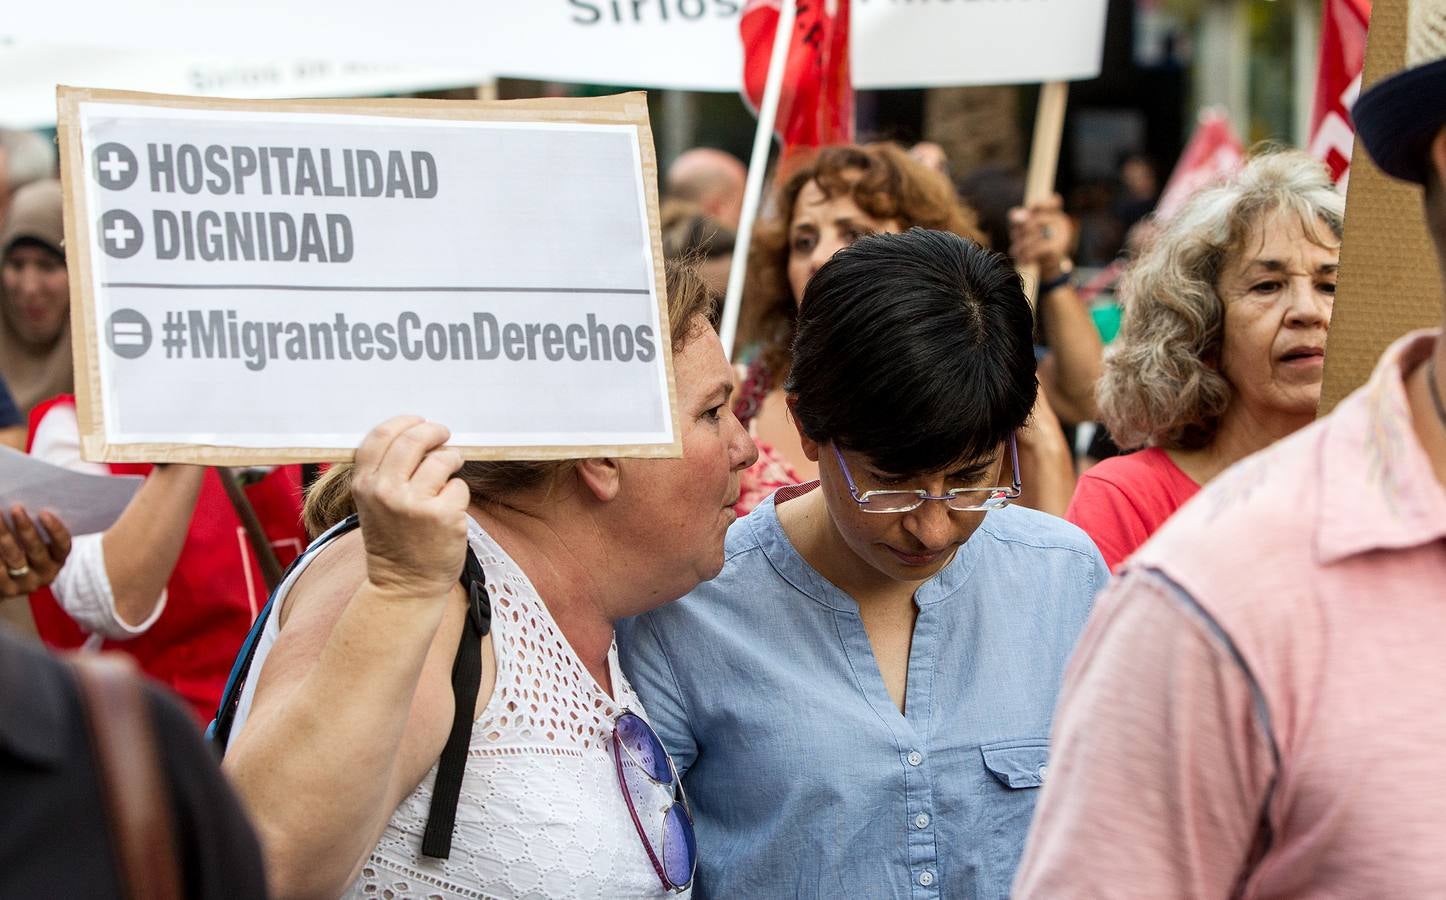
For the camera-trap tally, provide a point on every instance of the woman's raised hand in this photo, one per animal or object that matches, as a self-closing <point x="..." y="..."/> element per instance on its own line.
<point x="1041" y="234"/>
<point x="413" y="511"/>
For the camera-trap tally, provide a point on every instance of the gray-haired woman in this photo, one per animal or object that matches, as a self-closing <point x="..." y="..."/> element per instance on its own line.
<point x="1222" y="346"/>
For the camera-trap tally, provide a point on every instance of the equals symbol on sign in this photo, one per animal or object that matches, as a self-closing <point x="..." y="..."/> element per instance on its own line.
<point x="130" y="334"/>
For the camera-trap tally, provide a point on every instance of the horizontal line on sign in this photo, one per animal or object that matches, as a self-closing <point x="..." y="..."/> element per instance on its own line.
<point x="421" y="288"/>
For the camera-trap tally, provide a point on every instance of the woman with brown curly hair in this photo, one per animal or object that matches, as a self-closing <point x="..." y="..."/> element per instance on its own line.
<point x="1222" y="346"/>
<point x="826" y="203"/>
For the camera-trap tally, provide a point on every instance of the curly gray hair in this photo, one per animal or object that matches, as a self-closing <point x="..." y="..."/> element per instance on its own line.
<point x="1161" y="384"/>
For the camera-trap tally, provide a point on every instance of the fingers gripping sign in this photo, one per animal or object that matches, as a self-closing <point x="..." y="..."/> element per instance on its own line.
<point x="413" y="511"/>
<point x="1041" y="234"/>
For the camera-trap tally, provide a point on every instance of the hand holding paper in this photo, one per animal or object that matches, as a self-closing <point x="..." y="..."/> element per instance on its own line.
<point x="29" y="562"/>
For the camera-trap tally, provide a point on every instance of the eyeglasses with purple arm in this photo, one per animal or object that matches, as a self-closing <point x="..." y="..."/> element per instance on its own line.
<point x="957" y="499"/>
<point x="672" y="848"/>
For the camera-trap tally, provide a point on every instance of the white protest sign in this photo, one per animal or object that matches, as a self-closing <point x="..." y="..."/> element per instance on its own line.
<point x="262" y="281"/>
<point x="895" y="43"/>
<point x="29" y="73"/>
<point x="686" y="44"/>
<point x="901" y="43"/>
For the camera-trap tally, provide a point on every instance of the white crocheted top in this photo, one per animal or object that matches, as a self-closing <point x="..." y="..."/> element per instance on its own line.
<point x="541" y="813"/>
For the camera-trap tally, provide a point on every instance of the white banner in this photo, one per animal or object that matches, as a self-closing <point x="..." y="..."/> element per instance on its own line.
<point x="30" y="73"/>
<point x="271" y="279"/>
<point x="904" y="43"/>
<point x="688" y="44"/>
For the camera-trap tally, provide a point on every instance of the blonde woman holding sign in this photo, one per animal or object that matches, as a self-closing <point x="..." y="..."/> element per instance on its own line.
<point x="566" y="791"/>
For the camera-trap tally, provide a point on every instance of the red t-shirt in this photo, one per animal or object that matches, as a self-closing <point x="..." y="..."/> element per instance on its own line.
<point x="1121" y="501"/>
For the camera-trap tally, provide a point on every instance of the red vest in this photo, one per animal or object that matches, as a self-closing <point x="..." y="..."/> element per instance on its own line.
<point x="214" y="592"/>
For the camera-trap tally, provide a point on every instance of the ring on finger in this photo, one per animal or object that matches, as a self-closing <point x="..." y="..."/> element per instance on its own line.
<point x="1046" y="232"/>
<point x="19" y="571"/>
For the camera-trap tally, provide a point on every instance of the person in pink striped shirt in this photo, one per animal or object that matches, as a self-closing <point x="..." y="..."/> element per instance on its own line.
<point x="1258" y="705"/>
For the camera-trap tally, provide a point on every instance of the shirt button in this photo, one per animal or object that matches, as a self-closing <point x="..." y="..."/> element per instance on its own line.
<point x="921" y="820"/>
<point x="926" y="878"/>
<point x="1043" y="770"/>
<point x="915" y="758"/>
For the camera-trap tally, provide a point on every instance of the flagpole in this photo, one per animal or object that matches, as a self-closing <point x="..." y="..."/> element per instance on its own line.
<point x="757" y="167"/>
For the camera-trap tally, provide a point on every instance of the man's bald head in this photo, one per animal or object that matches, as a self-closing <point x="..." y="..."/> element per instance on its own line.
<point x="713" y="180"/>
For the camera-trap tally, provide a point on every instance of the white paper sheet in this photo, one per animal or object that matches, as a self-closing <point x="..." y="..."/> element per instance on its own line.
<point x="85" y="503"/>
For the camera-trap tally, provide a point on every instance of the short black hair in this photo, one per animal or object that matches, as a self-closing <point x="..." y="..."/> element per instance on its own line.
<point x="915" y="350"/>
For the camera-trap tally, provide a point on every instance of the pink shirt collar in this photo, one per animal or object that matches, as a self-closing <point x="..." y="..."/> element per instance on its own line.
<point x="1378" y="490"/>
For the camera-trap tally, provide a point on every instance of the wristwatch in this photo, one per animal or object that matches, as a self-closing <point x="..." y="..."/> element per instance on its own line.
<point x="1066" y="270"/>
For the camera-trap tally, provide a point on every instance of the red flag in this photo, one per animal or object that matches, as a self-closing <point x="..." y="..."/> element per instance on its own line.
<point x="1214" y="151"/>
<point x="816" y="106"/>
<point x="1342" y="56"/>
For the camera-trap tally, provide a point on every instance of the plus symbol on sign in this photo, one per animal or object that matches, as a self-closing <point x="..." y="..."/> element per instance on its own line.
<point x="114" y="166"/>
<point x="119" y="234"/>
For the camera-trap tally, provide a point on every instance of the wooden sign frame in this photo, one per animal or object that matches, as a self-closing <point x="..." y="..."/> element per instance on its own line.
<point x="628" y="109"/>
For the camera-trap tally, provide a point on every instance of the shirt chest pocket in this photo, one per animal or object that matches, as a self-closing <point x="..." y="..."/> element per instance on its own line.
<point x="1017" y="764"/>
<point x="1011" y="772"/>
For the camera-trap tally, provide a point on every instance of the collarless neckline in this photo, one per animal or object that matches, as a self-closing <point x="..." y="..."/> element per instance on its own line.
<point x="785" y="558"/>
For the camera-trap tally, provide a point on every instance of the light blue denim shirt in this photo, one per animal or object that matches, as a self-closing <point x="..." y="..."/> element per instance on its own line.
<point x="804" y="778"/>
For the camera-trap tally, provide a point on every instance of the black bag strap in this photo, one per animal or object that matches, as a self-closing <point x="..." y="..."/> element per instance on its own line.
<point x="466" y="683"/>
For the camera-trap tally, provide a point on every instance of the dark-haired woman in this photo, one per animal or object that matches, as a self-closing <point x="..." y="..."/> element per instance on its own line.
<point x="828" y="201"/>
<point x="860" y="703"/>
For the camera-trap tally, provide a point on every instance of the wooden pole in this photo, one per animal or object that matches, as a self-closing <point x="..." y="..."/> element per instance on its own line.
<point x="260" y="544"/>
<point x="757" y="166"/>
<point x="1044" y="161"/>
